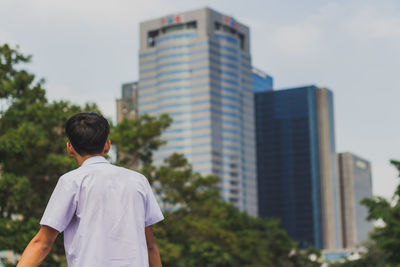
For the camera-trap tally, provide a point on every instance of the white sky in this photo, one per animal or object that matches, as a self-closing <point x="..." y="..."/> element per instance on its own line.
<point x="86" y="49"/>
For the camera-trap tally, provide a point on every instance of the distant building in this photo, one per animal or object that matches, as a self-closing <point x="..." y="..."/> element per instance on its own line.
<point x="127" y="105"/>
<point x="262" y="82"/>
<point x="196" y="67"/>
<point x="296" y="164"/>
<point x="127" y="108"/>
<point x="355" y="185"/>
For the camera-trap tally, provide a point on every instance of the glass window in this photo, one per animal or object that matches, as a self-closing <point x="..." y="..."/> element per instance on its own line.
<point x="172" y="28"/>
<point x="241" y="40"/>
<point x="151" y="38"/>
<point x="226" y="29"/>
<point x="191" y="25"/>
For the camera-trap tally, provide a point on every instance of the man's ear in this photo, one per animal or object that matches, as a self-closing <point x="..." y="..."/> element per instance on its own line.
<point x="70" y="149"/>
<point x="107" y="146"/>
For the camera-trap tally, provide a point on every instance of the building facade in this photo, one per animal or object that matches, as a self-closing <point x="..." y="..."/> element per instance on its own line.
<point x="355" y="185"/>
<point x="196" y="67"/>
<point x="296" y="158"/>
<point x="262" y="82"/>
<point x="127" y="105"/>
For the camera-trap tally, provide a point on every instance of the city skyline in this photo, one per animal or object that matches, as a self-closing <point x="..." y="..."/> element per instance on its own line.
<point x="352" y="52"/>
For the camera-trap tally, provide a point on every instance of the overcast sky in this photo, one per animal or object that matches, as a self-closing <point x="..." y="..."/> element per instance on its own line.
<point x="86" y="49"/>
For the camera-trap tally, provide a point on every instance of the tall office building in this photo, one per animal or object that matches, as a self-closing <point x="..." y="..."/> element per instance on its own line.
<point x="262" y="82"/>
<point x="196" y="67"/>
<point x="296" y="164"/>
<point x="355" y="184"/>
<point x="127" y="104"/>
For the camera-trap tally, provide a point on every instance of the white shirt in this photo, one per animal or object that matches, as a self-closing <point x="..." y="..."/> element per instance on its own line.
<point x="103" y="210"/>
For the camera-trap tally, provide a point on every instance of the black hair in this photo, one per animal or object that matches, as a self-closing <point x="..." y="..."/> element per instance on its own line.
<point x="87" y="132"/>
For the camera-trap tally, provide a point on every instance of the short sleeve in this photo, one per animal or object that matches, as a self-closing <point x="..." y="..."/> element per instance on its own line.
<point x="61" y="207"/>
<point x="153" y="212"/>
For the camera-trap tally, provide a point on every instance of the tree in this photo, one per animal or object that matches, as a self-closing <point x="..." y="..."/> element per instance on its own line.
<point x="32" y="150"/>
<point x="137" y="139"/>
<point x="33" y="154"/>
<point x="382" y="250"/>
<point x="202" y="230"/>
<point x="387" y="236"/>
<point x="372" y="257"/>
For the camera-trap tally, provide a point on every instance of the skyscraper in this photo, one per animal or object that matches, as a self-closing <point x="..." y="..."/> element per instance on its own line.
<point x="355" y="184"/>
<point x="296" y="164"/>
<point x="262" y="82"/>
<point x="127" y="104"/>
<point x="196" y="67"/>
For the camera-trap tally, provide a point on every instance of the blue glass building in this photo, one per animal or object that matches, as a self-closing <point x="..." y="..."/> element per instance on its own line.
<point x="296" y="164"/>
<point x="262" y="82"/>
<point x="196" y="67"/>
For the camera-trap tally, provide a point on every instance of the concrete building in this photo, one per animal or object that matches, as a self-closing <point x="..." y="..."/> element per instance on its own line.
<point x="296" y="164"/>
<point x="127" y="105"/>
<point x="196" y="67"/>
<point x="355" y="185"/>
<point x="262" y="82"/>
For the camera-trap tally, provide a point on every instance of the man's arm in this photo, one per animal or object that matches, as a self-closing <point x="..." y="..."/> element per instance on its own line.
<point x="39" y="247"/>
<point x="154" y="254"/>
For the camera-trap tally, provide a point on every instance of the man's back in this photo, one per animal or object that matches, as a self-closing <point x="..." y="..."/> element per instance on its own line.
<point x="103" y="210"/>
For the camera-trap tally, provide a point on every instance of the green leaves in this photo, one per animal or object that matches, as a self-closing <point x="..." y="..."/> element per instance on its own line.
<point x="15" y="83"/>
<point x="384" y="246"/>
<point x="32" y="151"/>
<point x="178" y="185"/>
<point x="13" y="190"/>
<point x="137" y="139"/>
<point x="206" y="253"/>
<point x="387" y="236"/>
<point x="202" y="230"/>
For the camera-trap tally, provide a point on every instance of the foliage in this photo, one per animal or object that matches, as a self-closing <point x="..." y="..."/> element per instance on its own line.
<point x="33" y="154"/>
<point x="370" y="258"/>
<point x="137" y="139"/>
<point x="383" y="248"/>
<point x="32" y="151"/>
<point x="202" y="230"/>
<point x="387" y="236"/>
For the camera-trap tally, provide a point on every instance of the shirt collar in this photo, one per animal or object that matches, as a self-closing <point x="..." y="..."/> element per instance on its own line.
<point x="94" y="160"/>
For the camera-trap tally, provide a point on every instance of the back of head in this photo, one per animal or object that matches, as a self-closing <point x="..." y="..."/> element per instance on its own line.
<point x="88" y="133"/>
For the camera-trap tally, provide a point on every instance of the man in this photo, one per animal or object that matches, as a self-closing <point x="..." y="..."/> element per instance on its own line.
<point x="105" y="211"/>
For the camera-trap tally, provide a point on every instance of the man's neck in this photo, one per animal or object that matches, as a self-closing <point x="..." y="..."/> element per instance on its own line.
<point x="80" y="159"/>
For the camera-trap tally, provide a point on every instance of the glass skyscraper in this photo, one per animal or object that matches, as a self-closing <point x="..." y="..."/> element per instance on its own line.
<point x="262" y="82"/>
<point x="196" y="67"/>
<point x="296" y="164"/>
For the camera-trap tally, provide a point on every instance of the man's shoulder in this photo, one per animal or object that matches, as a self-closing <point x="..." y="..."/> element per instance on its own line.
<point x="77" y="175"/>
<point x="130" y="172"/>
<point x="70" y="176"/>
<point x="128" y="176"/>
